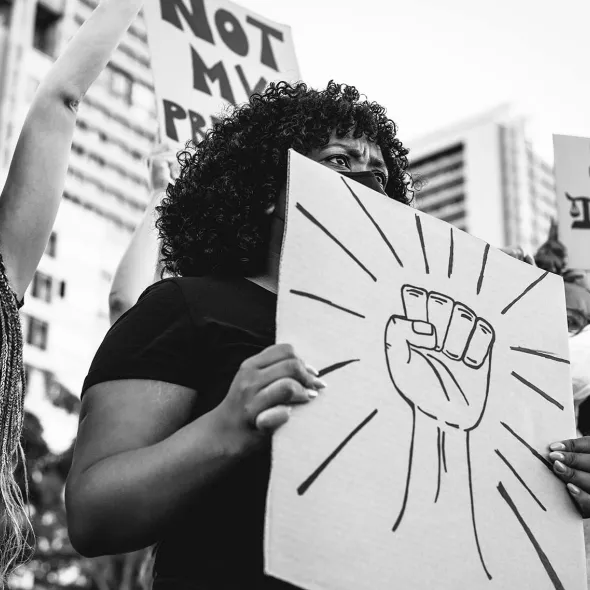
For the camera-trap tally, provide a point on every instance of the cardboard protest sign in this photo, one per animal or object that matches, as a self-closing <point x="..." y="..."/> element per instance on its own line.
<point x="207" y="54"/>
<point x="423" y="463"/>
<point x="572" y="180"/>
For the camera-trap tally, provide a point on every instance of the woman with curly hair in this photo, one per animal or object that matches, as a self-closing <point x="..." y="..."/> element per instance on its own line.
<point x="173" y="443"/>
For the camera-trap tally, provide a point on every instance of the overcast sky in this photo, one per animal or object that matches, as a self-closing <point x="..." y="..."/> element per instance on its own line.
<point x="434" y="62"/>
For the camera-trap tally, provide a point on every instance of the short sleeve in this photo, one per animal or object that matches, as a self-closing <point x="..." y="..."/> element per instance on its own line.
<point x="154" y="340"/>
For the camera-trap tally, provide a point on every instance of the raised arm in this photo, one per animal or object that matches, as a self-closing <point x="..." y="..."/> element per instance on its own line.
<point x="33" y="189"/>
<point x="139" y="267"/>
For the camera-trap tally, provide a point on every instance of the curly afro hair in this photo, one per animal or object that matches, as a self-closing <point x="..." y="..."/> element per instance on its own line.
<point x="214" y="219"/>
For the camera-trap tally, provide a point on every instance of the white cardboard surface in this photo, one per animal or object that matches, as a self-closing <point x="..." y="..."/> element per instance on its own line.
<point x="572" y="180"/>
<point x="239" y="52"/>
<point x="335" y="531"/>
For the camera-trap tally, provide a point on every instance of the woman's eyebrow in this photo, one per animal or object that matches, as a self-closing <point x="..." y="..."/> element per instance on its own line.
<point x="350" y="150"/>
<point x="377" y="162"/>
<point x="357" y="154"/>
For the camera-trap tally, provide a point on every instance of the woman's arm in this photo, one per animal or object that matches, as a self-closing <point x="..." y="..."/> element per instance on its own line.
<point x="126" y="488"/>
<point x="33" y="189"/>
<point x="140" y="267"/>
<point x="139" y="462"/>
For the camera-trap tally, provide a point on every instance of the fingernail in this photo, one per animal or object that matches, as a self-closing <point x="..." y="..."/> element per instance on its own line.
<point x="319" y="384"/>
<point x="559" y="466"/>
<point x="312" y="370"/>
<point x="423" y="328"/>
<point x="573" y="489"/>
<point x="557" y="447"/>
<point x="312" y="393"/>
<point x="557" y="456"/>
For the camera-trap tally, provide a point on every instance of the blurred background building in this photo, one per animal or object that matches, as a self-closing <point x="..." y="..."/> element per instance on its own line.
<point x="66" y="310"/>
<point x="483" y="176"/>
<point x="480" y="175"/>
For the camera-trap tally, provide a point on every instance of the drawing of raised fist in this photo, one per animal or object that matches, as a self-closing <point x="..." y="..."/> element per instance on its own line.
<point x="439" y="356"/>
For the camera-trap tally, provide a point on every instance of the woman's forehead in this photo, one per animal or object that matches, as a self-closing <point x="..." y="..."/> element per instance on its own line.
<point x="359" y="144"/>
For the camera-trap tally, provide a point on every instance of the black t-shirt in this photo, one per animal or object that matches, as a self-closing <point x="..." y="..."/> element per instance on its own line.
<point x="196" y="332"/>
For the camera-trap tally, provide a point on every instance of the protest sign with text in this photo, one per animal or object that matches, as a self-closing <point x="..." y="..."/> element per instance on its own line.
<point x="209" y="54"/>
<point x="572" y="180"/>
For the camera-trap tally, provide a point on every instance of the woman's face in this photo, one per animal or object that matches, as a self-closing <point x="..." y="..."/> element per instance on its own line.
<point x="349" y="154"/>
<point x="345" y="154"/>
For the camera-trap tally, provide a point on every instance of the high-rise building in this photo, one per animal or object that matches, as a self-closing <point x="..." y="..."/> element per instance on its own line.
<point x="66" y="309"/>
<point x="483" y="176"/>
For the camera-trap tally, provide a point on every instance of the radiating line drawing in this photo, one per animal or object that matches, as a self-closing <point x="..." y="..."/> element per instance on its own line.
<point x="483" y="268"/>
<point x="336" y="366"/>
<point x="541" y="353"/>
<point x="528" y="446"/>
<point x="310" y="480"/>
<point x="309" y="216"/>
<point x="327" y="302"/>
<point x="375" y="224"/>
<point x="517" y="299"/>
<point x="451" y="254"/>
<point x="439" y="357"/>
<point x="536" y="389"/>
<point x="542" y="555"/>
<point x="517" y="475"/>
<point x="422" y="244"/>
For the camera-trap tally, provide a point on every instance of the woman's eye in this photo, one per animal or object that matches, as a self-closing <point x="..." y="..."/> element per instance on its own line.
<point x="339" y="161"/>
<point x="381" y="178"/>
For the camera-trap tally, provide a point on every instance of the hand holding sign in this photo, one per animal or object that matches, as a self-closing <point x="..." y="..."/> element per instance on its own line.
<point x="448" y="346"/>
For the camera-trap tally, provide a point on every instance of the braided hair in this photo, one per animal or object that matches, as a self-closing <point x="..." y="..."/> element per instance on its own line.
<point x="14" y="521"/>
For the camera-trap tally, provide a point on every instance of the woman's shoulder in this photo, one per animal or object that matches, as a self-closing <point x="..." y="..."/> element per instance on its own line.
<point x="210" y="293"/>
<point x="217" y="301"/>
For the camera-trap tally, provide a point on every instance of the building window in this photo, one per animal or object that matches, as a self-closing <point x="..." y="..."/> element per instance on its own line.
<point x="42" y="286"/>
<point x="45" y="35"/>
<point x="121" y="85"/>
<point x="51" y="249"/>
<point x="37" y="333"/>
<point x="5" y="12"/>
<point x="144" y="98"/>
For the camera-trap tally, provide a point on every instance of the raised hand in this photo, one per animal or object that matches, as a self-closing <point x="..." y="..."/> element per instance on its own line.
<point x="163" y="167"/>
<point x="439" y="355"/>
<point x="518" y="253"/>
